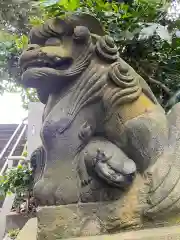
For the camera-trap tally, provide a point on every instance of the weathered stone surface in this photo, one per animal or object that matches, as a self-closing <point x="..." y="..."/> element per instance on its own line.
<point x="29" y="231"/>
<point x="165" y="233"/>
<point x="90" y="94"/>
<point x="87" y="219"/>
<point x="15" y="221"/>
<point x="101" y="126"/>
<point x="164" y="194"/>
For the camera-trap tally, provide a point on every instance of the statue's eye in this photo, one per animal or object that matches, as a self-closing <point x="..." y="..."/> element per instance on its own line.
<point x="81" y="34"/>
<point x="53" y="42"/>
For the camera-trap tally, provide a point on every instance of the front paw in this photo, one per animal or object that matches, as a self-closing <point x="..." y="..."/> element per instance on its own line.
<point x="118" y="170"/>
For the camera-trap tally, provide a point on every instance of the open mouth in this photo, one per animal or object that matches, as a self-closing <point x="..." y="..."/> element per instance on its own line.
<point x="58" y="63"/>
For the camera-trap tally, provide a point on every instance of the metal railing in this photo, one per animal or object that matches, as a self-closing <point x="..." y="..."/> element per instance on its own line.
<point x="9" y="200"/>
<point x="7" y="162"/>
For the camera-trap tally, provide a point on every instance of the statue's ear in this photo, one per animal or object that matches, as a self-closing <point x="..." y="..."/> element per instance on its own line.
<point x="88" y="21"/>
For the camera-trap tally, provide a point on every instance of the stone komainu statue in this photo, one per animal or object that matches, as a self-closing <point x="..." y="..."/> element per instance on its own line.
<point x="102" y="125"/>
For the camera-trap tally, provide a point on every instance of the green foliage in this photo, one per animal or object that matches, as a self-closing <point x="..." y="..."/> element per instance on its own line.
<point x="36" y="21"/>
<point x="28" y="95"/>
<point x="7" y="50"/>
<point x="14" y="22"/>
<point x="12" y="233"/>
<point x="147" y="37"/>
<point x="21" y="42"/>
<point x="17" y="180"/>
<point x="25" y="153"/>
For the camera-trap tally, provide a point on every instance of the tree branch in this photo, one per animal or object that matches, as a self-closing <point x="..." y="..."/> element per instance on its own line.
<point x="154" y="81"/>
<point x="164" y="87"/>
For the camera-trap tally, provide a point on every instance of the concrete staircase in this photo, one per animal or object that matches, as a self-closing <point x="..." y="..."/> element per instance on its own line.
<point x="12" y="142"/>
<point x="6" y="131"/>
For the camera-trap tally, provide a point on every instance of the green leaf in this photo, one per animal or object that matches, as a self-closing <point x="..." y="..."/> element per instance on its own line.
<point x="69" y="5"/>
<point x="19" y="167"/>
<point x="21" y="42"/>
<point x="9" y="193"/>
<point x="35" y="21"/>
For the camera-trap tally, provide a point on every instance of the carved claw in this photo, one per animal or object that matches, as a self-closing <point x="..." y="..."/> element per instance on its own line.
<point x="112" y="177"/>
<point x="85" y="182"/>
<point x="107" y="162"/>
<point x="116" y="171"/>
<point x="101" y="156"/>
<point x="85" y="132"/>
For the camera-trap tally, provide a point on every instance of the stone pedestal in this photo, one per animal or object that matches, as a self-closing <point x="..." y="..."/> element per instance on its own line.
<point x="58" y="222"/>
<point x="29" y="231"/>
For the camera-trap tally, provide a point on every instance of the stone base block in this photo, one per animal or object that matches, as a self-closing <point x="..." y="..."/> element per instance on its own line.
<point x="16" y="221"/>
<point x="29" y="231"/>
<point x="86" y="219"/>
<point x="165" y="233"/>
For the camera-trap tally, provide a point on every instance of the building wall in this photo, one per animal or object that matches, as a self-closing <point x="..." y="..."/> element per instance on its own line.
<point x="34" y="126"/>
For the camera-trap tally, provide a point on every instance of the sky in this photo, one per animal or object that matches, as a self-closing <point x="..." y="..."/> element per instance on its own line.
<point x="174" y="10"/>
<point x="11" y="110"/>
